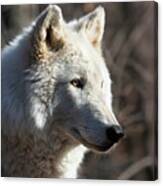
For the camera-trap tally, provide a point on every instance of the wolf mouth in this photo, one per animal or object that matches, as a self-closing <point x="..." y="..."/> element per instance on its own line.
<point x="100" y="148"/>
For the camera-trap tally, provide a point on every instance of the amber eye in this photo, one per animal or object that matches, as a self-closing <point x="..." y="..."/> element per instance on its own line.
<point x="78" y="83"/>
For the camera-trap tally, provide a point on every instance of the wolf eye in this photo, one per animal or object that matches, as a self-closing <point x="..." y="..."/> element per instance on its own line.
<point x="78" y="83"/>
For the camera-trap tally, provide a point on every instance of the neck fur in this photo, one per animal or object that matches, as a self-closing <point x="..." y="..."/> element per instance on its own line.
<point x="41" y="157"/>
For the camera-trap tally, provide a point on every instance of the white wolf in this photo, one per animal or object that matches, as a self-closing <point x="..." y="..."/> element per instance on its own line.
<point x="56" y="96"/>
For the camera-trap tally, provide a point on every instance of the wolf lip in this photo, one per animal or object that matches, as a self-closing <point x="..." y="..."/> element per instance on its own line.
<point x="100" y="148"/>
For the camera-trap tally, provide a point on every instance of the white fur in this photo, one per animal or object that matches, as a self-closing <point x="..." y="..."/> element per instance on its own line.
<point x="72" y="161"/>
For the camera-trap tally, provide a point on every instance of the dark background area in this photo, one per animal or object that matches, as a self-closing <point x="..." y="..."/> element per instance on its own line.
<point x="130" y="49"/>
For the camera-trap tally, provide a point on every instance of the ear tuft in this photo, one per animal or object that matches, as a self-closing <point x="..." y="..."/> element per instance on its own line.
<point x="92" y="25"/>
<point x="48" y="32"/>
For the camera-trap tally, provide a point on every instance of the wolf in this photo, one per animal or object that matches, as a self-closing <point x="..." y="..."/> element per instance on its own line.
<point x="56" y="96"/>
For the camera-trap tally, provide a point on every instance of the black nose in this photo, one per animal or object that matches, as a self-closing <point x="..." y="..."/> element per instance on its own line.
<point x="114" y="133"/>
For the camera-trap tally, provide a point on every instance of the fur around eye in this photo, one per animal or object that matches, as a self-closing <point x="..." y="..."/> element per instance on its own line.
<point x="78" y="83"/>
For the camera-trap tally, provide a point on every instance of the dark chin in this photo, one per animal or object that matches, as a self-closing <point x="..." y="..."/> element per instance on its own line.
<point x="102" y="148"/>
<point x="98" y="148"/>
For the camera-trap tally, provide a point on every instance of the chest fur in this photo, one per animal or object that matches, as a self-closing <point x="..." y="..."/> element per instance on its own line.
<point x="71" y="162"/>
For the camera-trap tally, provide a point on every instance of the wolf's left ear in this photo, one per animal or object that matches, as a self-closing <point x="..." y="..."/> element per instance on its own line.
<point x="48" y="32"/>
<point x="93" y="26"/>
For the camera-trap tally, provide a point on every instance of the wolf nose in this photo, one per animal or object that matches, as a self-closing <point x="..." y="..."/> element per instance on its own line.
<point x="114" y="133"/>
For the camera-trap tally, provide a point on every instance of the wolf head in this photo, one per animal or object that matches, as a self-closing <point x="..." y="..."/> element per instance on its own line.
<point x="68" y="83"/>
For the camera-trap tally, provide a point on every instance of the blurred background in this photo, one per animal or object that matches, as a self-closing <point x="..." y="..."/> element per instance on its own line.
<point x="130" y="49"/>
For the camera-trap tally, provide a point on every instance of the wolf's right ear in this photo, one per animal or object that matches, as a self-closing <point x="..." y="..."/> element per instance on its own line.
<point x="48" y="32"/>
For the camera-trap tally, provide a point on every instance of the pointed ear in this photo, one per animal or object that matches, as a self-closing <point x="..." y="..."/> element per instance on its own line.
<point x="93" y="26"/>
<point x="48" y="32"/>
